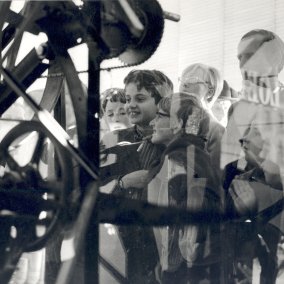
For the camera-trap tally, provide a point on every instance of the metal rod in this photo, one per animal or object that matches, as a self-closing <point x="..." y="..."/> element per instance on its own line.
<point x="79" y="230"/>
<point x="51" y="125"/>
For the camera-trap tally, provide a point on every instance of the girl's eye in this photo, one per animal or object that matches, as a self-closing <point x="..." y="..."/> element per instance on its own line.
<point x="110" y="115"/>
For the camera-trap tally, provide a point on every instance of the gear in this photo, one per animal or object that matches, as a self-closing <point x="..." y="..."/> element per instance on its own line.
<point x="150" y="14"/>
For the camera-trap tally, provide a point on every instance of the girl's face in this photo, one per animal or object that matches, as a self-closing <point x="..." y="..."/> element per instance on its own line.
<point x="162" y="133"/>
<point x="140" y="105"/>
<point x="116" y="116"/>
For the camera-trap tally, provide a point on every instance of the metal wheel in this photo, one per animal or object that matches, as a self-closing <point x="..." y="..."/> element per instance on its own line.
<point x="34" y="191"/>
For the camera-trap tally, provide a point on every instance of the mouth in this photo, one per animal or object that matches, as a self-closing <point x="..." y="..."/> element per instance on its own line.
<point x="133" y="113"/>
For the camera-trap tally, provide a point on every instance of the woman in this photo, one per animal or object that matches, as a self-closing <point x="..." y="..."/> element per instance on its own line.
<point x="185" y="179"/>
<point x="205" y="84"/>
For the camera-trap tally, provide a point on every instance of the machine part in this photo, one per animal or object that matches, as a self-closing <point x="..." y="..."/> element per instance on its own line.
<point x="28" y="200"/>
<point x="33" y="194"/>
<point x="142" y="48"/>
<point x="27" y="69"/>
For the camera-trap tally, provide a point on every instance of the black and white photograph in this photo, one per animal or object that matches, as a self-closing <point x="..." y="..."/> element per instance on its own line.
<point x="142" y="142"/>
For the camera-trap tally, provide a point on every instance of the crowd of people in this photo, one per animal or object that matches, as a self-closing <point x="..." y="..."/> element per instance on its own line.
<point x="206" y="148"/>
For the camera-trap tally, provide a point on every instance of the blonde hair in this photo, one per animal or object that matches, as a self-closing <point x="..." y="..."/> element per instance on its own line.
<point x="204" y="73"/>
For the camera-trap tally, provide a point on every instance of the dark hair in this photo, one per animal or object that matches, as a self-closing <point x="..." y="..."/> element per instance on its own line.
<point x="112" y="95"/>
<point x="149" y="80"/>
<point x="165" y="79"/>
<point x="189" y="105"/>
<point x="165" y="104"/>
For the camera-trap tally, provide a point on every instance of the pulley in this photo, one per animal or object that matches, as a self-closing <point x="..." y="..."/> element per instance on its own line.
<point x="34" y="190"/>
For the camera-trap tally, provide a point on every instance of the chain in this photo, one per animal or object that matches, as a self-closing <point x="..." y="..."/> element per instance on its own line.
<point x="108" y="69"/>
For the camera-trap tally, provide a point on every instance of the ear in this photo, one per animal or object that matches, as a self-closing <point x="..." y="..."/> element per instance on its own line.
<point x="209" y="95"/>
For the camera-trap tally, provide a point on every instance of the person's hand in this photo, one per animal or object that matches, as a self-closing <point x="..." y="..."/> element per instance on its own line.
<point x="243" y="197"/>
<point x="272" y="174"/>
<point x="252" y="158"/>
<point x="138" y="179"/>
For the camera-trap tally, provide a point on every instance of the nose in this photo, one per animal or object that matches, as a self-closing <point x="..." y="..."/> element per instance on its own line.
<point x="131" y="104"/>
<point x="117" y="117"/>
<point x="152" y="122"/>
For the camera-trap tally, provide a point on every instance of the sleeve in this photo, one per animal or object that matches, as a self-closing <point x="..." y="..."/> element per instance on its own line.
<point x="149" y="154"/>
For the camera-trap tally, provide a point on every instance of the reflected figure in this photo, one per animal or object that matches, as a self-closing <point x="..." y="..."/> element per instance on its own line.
<point x="254" y="181"/>
<point x="254" y="184"/>
<point x="261" y="59"/>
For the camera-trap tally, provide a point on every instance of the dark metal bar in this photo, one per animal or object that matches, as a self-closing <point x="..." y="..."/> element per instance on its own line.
<point x="122" y="211"/>
<point x="80" y="227"/>
<point x="92" y="146"/>
<point x="51" y="125"/>
<point x="27" y="71"/>
<point x="113" y="271"/>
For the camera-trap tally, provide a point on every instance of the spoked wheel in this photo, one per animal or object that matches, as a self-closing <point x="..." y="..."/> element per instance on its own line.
<point x="26" y="56"/>
<point x="34" y="191"/>
<point x="36" y="202"/>
<point x="37" y="189"/>
<point x="22" y="50"/>
<point x="32" y="204"/>
<point x="34" y="53"/>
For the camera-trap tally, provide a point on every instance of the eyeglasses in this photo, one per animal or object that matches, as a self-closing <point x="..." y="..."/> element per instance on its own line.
<point x="192" y="80"/>
<point x="161" y="114"/>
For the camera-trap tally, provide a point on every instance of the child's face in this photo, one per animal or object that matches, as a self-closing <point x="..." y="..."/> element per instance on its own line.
<point x="140" y="105"/>
<point x="162" y="133"/>
<point x="116" y="116"/>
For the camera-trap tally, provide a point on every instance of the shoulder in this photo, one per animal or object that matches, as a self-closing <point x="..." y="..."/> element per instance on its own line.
<point x="214" y="125"/>
<point x="215" y="132"/>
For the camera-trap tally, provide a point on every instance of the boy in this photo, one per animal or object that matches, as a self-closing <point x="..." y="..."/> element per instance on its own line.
<point x="143" y="91"/>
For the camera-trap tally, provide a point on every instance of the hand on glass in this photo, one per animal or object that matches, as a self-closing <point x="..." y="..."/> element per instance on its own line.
<point x="244" y="197"/>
